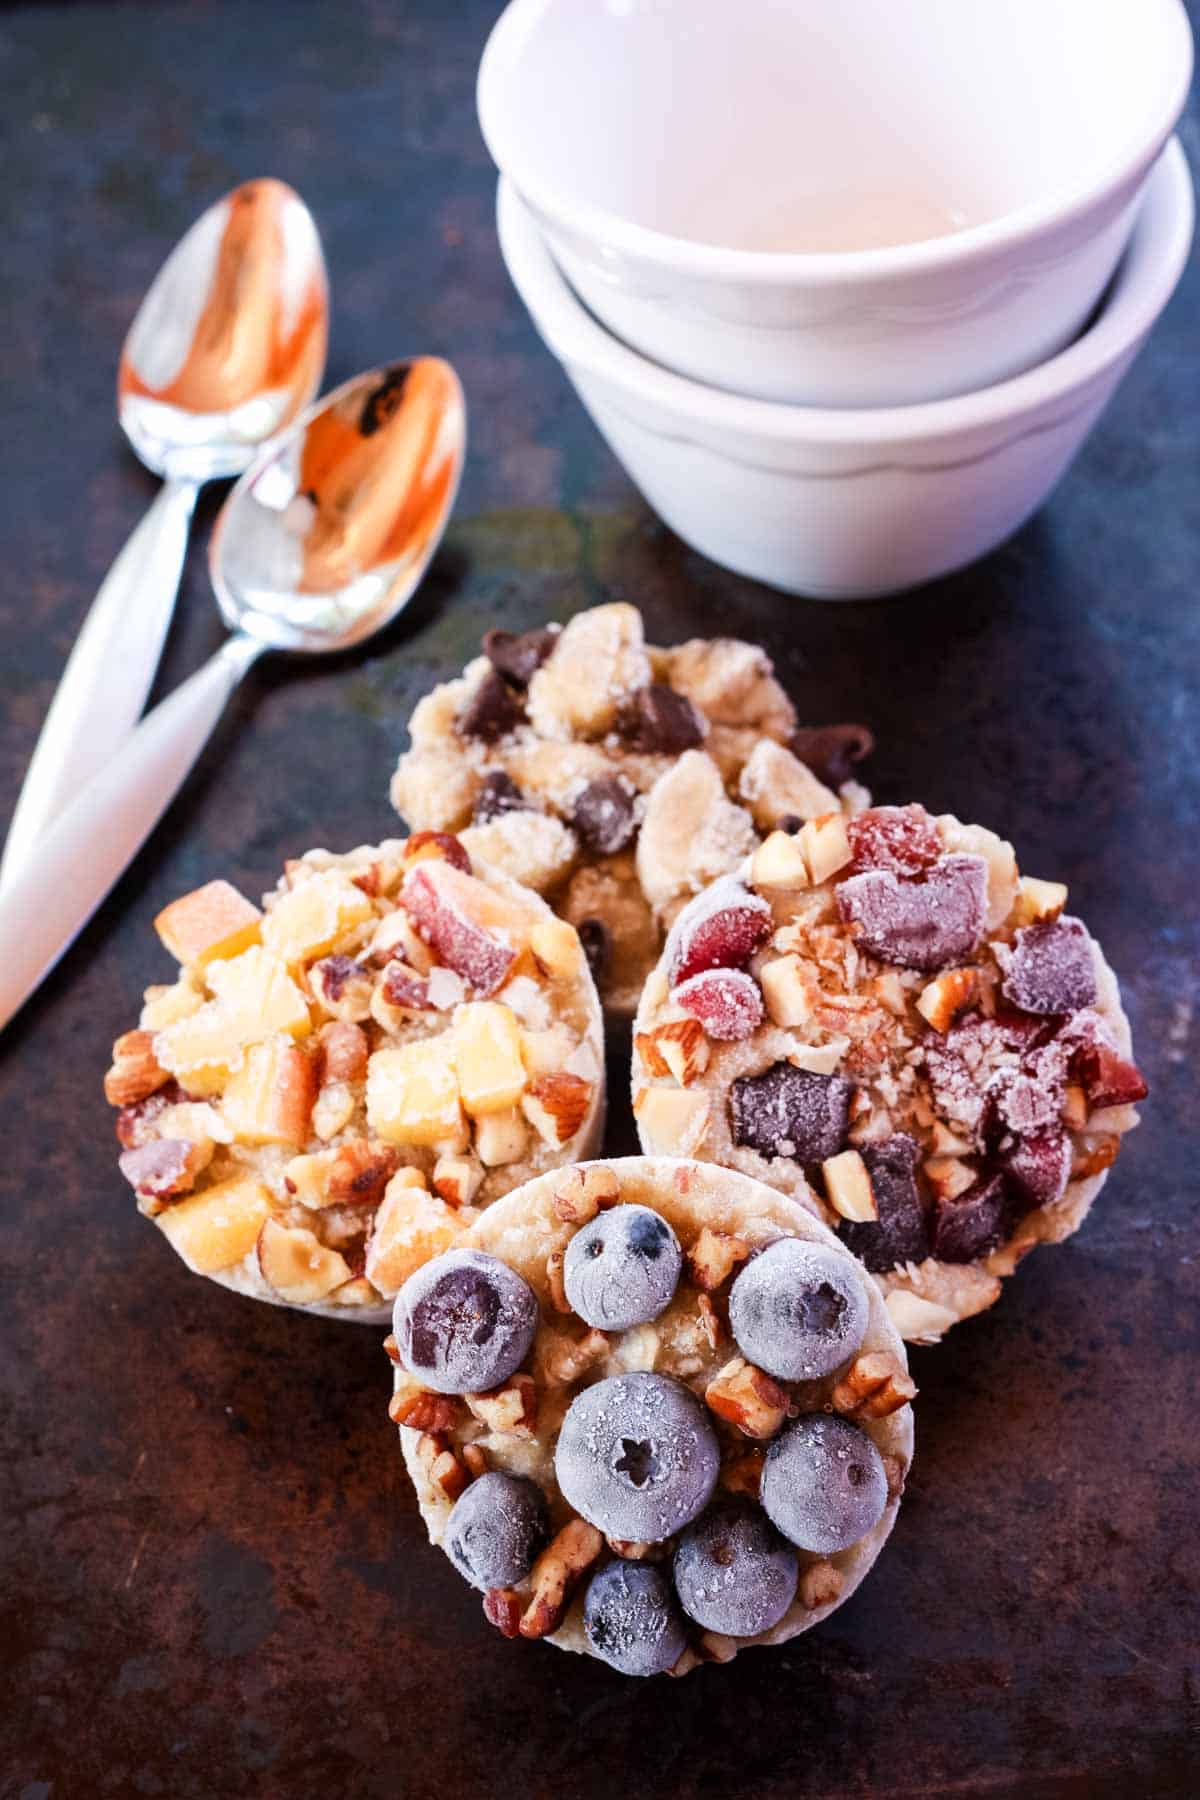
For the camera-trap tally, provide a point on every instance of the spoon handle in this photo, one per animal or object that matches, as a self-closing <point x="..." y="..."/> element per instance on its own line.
<point x="90" y="845"/>
<point x="109" y="673"/>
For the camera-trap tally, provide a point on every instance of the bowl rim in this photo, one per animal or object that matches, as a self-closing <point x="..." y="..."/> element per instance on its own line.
<point x="772" y="268"/>
<point x="1145" y="279"/>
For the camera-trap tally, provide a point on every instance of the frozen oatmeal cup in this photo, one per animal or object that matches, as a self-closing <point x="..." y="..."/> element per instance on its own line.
<point x="615" y="778"/>
<point x="653" y="1411"/>
<point x="884" y="1020"/>
<point x="336" y="1086"/>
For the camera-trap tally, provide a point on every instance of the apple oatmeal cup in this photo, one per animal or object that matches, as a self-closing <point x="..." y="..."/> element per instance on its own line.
<point x="653" y="1411"/>
<point x="615" y="778"/>
<point x="336" y="1086"/>
<point x="881" y="1018"/>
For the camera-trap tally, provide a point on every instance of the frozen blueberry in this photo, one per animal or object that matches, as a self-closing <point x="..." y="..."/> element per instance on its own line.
<point x="623" y="1268"/>
<point x="464" y="1322"/>
<point x="787" y="1111"/>
<point x="637" y="1456"/>
<point x="798" y="1310"/>
<point x="823" y="1484"/>
<point x="496" y="1528"/>
<point x="733" y="1571"/>
<point x="632" y="1620"/>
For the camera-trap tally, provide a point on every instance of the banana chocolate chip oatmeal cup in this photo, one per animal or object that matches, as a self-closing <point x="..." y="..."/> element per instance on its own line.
<point x="336" y="1086"/>
<point x="880" y="1017"/>
<point x="653" y="1411"/>
<point x="615" y="778"/>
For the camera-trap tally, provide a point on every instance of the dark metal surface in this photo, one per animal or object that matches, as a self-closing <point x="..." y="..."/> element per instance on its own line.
<point x="213" y="1580"/>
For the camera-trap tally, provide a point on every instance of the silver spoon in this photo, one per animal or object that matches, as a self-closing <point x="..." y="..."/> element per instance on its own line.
<point x="323" y="540"/>
<point x="227" y="346"/>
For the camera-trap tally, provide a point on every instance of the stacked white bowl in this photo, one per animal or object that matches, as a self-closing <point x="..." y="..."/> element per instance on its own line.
<point x="846" y="286"/>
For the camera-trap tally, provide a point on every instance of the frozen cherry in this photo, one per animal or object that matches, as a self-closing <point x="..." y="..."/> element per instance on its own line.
<point x="622" y="1268"/>
<point x="720" y="929"/>
<point x="727" y="1002"/>
<point x="823" y="1484"/>
<point x="464" y="1322"/>
<point x="918" y="924"/>
<point x="734" y="1573"/>
<point x="445" y="906"/>
<point x="632" y="1619"/>
<point x="798" y="1310"/>
<point x="496" y="1528"/>
<point x="491" y="711"/>
<point x="603" y="815"/>
<point x="517" y="656"/>
<point x="899" y="1234"/>
<point x="787" y="1111"/>
<point x="499" y="794"/>
<point x="659" y="720"/>
<point x="903" y="839"/>
<point x="637" y="1456"/>
<point x="972" y="1223"/>
<point x="1038" y="1167"/>
<point x="1049" y="968"/>
<point x="1106" y="1078"/>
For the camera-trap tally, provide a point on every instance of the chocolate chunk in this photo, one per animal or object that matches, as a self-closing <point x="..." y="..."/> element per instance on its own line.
<point x="1049" y="968"/>
<point x="499" y="794"/>
<point x="787" y="1111"/>
<point x="973" y="1223"/>
<point x="597" y="943"/>
<point x="831" y="751"/>
<point x="603" y="815"/>
<point x="659" y="720"/>
<point x="918" y="924"/>
<point x="517" y="656"/>
<point x="899" y="1235"/>
<point x="492" y="711"/>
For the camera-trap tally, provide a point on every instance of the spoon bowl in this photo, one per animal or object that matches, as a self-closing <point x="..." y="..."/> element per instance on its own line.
<point x="324" y="539"/>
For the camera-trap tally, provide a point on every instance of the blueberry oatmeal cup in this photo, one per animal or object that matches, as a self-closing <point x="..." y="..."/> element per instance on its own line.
<point x="653" y="1411"/>
<point x="615" y="778"/>
<point x="880" y="1017"/>
<point x="335" y="1086"/>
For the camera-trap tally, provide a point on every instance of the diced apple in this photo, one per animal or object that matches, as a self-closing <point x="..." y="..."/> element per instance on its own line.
<point x="308" y="921"/>
<point x="477" y="932"/>
<point x="412" y="1089"/>
<point x="220" y="1225"/>
<point x="848" y="1186"/>
<point x="255" y="997"/>
<point x="556" y="946"/>
<point x="163" y="1006"/>
<point x="270" y="1098"/>
<point x="410" y="1227"/>
<point x="671" y="1121"/>
<point x="779" y="863"/>
<point x="487" y="1055"/>
<point x="297" y="1265"/>
<point x="213" y="921"/>
<point x="545" y="1052"/>
<point x="501" y="1138"/>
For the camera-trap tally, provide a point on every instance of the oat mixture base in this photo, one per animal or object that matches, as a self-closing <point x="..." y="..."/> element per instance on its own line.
<point x="525" y="1231"/>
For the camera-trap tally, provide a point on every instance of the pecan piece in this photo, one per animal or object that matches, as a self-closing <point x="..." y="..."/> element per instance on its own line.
<point x="710" y="1321"/>
<point x="714" y="1256"/>
<point x="873" y="1386"/>
<point x="135" y="1071"/>
<point x="555" y="1282"/>
<point x="566" y="1361"/>
<point x="510" y="1409"/>
<point x="423" y="1410"/>
<point x="344" y="1052"/>
<point x="502" y="1608"/>
<point x="820" y="1585"/>
<point x="360" y="1171"/>
<point x="743" y="1475"/>
<point x="748" y="1398"/>
<point x="555" y="1575"/>
<point x="585" y="1191"/>
<point x="163" y="1169"/>
<point x="442" y="1467"/>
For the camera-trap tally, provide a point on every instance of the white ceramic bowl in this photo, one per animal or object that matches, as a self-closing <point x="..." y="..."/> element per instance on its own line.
<point x="681" y="154"/>
<point x="847" y="504"/>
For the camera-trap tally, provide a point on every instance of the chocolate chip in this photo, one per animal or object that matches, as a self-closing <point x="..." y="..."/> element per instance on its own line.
<point x="831" y="751"/>
<point x="919" y="925"/>
<point x="596" y="939"/>
<point x="499" y="794"/>
<point x="899" y="1234"/>
<point x="659" y="720"/>
<point x="518" y="656"/>
<point x="603" y="815"/>
<point x="492" y="711"/>
<point x="1049" y="968"/>
<point x="973" y="1223"/>
<point x="787" y="1111"/>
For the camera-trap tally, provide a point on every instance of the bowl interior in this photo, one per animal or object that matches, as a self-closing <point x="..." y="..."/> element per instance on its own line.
<point x="816" y="127"/>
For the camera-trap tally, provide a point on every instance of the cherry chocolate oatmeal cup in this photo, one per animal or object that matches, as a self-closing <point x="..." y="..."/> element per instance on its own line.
<point x="882" y="1019"/>
<point x="653" y="1411"/>
<point x="335" y="1086"/>
<point x="615" y="778"/>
